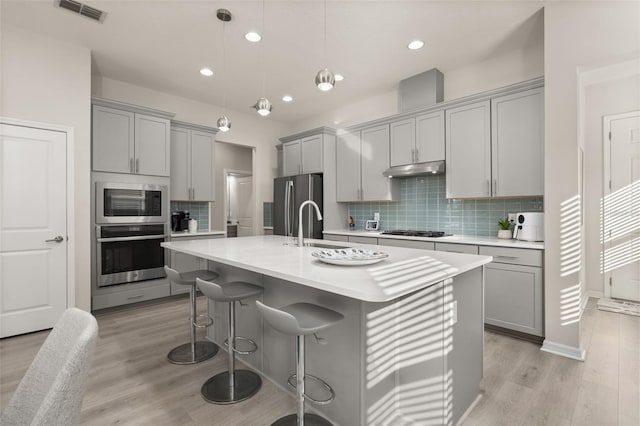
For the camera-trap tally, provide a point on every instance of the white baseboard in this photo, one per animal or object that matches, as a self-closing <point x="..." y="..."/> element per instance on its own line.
<point x="594" y="293"/>
<point x="563" y="350"/>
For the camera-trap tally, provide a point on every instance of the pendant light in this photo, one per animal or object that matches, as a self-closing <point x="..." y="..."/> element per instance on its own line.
<point x="325" y="78"/>
<point x="223" y="123"/>
<point x="263" y="106"/>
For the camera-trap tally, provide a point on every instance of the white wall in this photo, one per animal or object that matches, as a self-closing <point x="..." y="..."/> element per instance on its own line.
<point x="247" y="129"/>
<point x="230" y="157"/>
<point x="48" y="81"/>
<point x="492" y="73"/>
<point x="611" y="97"/>
<point x="577" y="34"/>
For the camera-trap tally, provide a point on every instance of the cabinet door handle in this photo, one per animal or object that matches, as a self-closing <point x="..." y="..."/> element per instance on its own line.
<point x="193" y="194"/>
<point x="495" y="187"/>
<point x="417" y="155"/>
<point x="131" y="170"/>
<point x="488" y="187"/>
<point x="137" y="165"/>
<point x="413" y="155"/>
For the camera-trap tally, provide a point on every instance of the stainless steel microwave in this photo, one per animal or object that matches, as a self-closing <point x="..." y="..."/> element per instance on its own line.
<point x="130" y="203"/>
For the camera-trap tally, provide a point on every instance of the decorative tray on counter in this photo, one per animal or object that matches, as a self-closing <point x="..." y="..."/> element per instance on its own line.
<point x="349" y="256"/>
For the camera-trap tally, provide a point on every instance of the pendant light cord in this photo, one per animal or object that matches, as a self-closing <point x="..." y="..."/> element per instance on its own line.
<point x="224" y="67"/>
<point x="264" y="71"/>
<point x="325" y="31"/>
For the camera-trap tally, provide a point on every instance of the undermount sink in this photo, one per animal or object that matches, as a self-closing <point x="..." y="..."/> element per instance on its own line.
<point x="326" y="246"/>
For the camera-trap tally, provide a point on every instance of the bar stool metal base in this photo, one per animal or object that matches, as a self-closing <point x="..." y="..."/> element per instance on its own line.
<point x="217" y="390"/>
<point x="309" y="420"/>
<point x="182" y="354"/>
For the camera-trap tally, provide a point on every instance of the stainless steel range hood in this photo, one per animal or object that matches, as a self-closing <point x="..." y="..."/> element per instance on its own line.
<point x="420" y="169"/>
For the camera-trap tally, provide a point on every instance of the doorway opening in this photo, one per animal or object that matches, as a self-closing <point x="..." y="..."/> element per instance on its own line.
<point x="239" y="203"/>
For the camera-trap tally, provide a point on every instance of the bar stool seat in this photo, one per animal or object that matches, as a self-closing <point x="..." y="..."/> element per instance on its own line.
<point x="300" y="320"/>
<point x="194" y="351"/>
<point x="232" y="385"/>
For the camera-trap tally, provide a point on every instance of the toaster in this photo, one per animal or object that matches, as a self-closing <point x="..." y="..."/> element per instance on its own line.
<point x="529" y="227"/>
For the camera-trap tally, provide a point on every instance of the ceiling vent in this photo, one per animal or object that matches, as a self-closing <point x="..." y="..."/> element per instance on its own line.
<point x="82" y="9"/>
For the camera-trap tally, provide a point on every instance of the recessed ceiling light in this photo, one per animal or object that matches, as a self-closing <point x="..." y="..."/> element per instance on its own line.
<point x="339" y="77"/>
<point x="253" y="37"/>
<point x="207" y="72"/>
<point x="415" y="44"/>
<point x="287" y="98"/>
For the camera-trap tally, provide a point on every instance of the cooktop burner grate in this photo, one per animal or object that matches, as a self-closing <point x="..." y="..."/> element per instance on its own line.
<point x="412" y="233"/>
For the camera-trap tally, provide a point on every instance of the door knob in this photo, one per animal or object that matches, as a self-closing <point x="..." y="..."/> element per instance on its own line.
<point x="57" y="239"/>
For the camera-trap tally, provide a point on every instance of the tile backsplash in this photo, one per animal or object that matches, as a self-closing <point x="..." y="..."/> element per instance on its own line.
<point x="423" y="205"/>
<point x="267" y="214"/>
<point x="198" y="210"/>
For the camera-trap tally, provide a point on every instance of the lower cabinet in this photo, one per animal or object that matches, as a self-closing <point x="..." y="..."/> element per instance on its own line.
<point x="424" y="245"/>
<point x="513" y="290"/>
<point x="184" y="262"/>
<point x="363" y="240"/>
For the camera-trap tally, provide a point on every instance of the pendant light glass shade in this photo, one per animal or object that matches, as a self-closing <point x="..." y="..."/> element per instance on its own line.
<point x="325" y="80"/>
<point x="224" y="124"/>
<point x="263" y="106"/>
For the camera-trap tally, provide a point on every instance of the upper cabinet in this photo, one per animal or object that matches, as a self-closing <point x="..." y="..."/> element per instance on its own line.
<point x="468" y="169"/>
<point x="495" y="148"/>
<point x="418" y="139"/>
<point x="517" y="144"/>
<point x="192" y="162"/>
<point x="362" y="156"/>
<point x="130" y="139"/>
<point x="303" y="155"/>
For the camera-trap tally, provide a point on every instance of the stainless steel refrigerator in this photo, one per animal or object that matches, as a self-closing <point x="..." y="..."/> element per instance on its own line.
<point x="288" y="193"/>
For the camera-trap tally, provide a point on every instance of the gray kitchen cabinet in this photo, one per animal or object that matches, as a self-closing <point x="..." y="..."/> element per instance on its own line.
<point x="125" y="139"/>
<point x="517" y="144"/>
<point x="304" y="155"/>
<point x="363" y="240"/>
<point x="468" y="151"/>
<point x="336" y="237"/>
<point x="457" y="248"/>
<point x="192" y="162"/>
<point x="496" y="148"/>
<point x="182" y="262"/>
<point x="418" y="139"/>
<point x="423" y="245"/>
<point x="362" y="156"/>
<point x="513" y="289"/>
<point x="403" y="142"/>
<point x="112" y="139"/>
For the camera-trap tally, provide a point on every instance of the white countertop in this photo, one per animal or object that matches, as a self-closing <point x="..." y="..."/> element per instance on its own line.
<point x="197" y="234"/>
<point x="457" y="239"/>
<point x="404" y="271"/>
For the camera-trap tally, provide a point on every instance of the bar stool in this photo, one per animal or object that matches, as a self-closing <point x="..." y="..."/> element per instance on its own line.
<point x="233" y="385"/>
<point x="194" y="351"/>
<point x="300" y="320"/>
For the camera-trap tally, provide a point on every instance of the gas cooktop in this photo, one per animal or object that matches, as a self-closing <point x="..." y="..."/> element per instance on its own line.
<point x="410" y="233"/>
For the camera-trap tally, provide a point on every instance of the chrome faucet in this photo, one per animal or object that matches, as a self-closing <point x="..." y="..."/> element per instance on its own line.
<point x="318" y="214"/>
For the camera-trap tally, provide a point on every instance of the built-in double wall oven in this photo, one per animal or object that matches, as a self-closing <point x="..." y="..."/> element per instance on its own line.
<point x="131" y="222"/>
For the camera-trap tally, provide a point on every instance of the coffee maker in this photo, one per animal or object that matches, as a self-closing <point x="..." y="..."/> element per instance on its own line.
<point x="180" y="220"/>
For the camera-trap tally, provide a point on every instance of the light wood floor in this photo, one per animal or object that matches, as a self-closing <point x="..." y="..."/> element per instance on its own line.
<point x="131" y="382"/>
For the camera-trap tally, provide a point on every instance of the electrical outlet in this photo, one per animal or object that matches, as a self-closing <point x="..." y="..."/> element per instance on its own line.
<point x="376" y="216"/>
<point x="512" y="217"/>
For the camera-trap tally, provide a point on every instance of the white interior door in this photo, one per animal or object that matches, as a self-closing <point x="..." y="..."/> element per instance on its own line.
<point x="33" y="230"/>
<point x="244" y="186"/>
<point x="621" y="230"/>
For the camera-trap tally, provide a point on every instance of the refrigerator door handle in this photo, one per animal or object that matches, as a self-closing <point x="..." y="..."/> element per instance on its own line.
<point x="286" y="208"/>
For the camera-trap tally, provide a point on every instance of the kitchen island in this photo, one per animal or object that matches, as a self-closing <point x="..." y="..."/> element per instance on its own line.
<point x="409" y="349"/>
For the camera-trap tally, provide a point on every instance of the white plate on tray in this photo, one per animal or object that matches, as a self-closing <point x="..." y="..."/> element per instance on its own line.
<point x="349" y="256"/>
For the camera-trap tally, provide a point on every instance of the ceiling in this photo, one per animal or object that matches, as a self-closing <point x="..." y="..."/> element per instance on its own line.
<point x="162" y="45"/>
